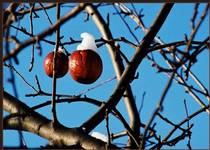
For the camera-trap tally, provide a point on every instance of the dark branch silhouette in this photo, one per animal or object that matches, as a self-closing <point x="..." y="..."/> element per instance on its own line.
<point x="175" y="60"/>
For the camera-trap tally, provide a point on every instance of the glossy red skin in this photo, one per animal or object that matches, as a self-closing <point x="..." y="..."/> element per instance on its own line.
<point x="61" y="64"/>
<point x="85" y="66"/>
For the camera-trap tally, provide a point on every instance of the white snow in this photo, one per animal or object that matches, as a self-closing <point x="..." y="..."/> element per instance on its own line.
<point x="59" y="49"/>
<point x="99" y="136"/>
<point x="88" y="42"/>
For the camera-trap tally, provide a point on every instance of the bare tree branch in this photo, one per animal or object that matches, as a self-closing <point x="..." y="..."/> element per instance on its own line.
<point x="176" y="60"/>
<point x="54" y="83"/>
<point x="158" y="108"/>
<point x="43" y="34"/>
<point x="180" y="124"/>
<point x="118" y="66"/>
<point x="38" y="124"/>
<point x="32" y="33"/>
<point x="115" y="112"/>
<point x="129" y="71"/>
<point x="38" y="8"/>
<point x="9" y="14"/>
<point x="140" y="23"/>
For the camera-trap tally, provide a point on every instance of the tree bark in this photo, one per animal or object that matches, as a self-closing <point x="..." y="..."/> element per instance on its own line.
<point x="29" y="120"/>
<point x="119" y="68"/>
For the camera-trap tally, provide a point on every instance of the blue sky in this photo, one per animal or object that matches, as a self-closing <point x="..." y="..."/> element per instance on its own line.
<point x="177" y="24"/>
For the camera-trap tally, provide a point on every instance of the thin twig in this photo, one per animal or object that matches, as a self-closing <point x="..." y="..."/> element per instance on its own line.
<point x="131" y="133"/>
<point x="191" y="92"/>
<point x="54" y="117"/>
<point x="98" y="85"/>
<point x="122" y="54"/>
<point x="175" y="140"/>
<point x="169" y="122"/>
<point x="102" y="41"/>
<point x="158" y="40"/>
<point x="115" y="112"/>
<point x="193" y="33"/>
<point x="46" y="13"/>
<point x="37" y="82"/>
<point x="158" y="108"/>
<point x="175" y="44"/>
<point x="39" y="91"/>
<point x="40" y="36"/>
<point x="13" y="68"/>
<point x="107" y="128"/>
<point x="165" y="140"/>
<point x="142" y="102"/>
<point x="38" y="8"/>
<point x="40" y="125"/>
<point x="32" y="33"/>
<point x="119" y="68"/>
<point x="185" y="120"/>
<point x="23" y="30"/>
<point x="126" y="24"/>
<point x="194" y="15"/>
<point x="22" y="142"/>
<point x="139" y="55"/>
<point x="188" y="88"/>
<point x="51" y="25"/>
<point x="108" y="19"/>
<point x="188" y="125"/>
<point x="193" y="88"/>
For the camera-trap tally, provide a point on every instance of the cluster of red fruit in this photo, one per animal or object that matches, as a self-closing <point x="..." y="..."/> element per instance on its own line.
<point x="85" y="66"/>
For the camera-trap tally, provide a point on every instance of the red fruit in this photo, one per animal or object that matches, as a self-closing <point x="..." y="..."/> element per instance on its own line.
<point x="85" y="66"/>
<point x="61" y="64"/>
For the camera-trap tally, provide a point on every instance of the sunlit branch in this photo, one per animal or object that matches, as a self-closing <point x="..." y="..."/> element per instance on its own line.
<point x="40" y="125"/>
<point x="118" y="67"/>
<point x="129" y="71"/>
<point x="140" y="23"/>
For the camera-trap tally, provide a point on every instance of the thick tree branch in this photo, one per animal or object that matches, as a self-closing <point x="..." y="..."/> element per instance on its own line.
<point x="129" y="72"/>
<point x="34" y="122"/>
<point x="118" y="67"/>
<point x="140" y="23"/>
<point x="115" y="112"/>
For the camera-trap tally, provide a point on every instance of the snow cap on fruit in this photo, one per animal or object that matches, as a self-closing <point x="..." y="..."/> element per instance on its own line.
<point x="88" y="42"/>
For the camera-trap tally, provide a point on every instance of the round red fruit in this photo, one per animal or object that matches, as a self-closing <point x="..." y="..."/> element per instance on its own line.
<point x="85" y="66"/>
<point x="61" y="64"/>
